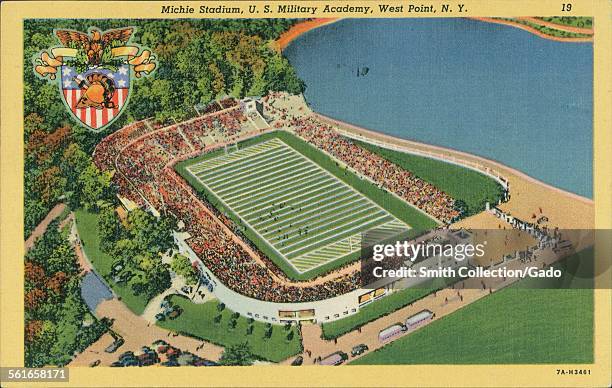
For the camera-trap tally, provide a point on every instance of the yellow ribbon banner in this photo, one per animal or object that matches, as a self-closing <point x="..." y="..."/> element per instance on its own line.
<point x="143" y="63"/>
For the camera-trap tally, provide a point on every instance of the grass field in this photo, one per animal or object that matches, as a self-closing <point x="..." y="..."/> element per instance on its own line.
<point x="472" y="187"/>
<point x="308" y="216"/>
<point x="296" y="204"/>
<point x="375" y="310"/>
<point x="516" y="325"/>
<point x="87" y="225"/>
<point x="198" y="320"/>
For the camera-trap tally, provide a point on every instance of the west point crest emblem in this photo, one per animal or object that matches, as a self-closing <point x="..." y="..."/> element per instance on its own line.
<point x="95" y="72"/>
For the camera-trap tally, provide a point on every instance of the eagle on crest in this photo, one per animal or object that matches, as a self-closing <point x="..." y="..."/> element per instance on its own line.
<point x="97" y="46"/>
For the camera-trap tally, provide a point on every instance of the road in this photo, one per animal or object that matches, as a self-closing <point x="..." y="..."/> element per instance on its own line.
<point x="441" y="303"/>
<point x="137" y="332"/>
<point x="42" y="226"/>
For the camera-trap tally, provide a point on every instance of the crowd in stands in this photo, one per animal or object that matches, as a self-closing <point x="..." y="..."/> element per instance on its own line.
<point x="230" y="261"/>
<point x="388" y="175"/>
<point x="142" y="157"/>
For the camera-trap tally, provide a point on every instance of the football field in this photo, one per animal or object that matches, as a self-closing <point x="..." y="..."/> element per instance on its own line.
<point x="300" y="210"/>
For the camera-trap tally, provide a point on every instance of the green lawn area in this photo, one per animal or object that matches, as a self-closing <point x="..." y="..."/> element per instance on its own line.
<point x="470" y="186"/>
<point x="87" y="225"/>
<point x="575" y="21"/>
<point x="400" y="209"/>
<point x="376" y="309"/>
<point x="516" y="325"/>
<point x="198" y="320"/>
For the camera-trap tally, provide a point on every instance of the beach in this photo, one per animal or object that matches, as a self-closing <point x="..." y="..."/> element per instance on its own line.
<point x="300" y="28"/>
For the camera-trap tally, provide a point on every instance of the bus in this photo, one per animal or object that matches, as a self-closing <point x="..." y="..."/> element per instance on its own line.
<point x="418" y="319"/>
<point x="335" y="359"/>
<point x="391" y="332"/>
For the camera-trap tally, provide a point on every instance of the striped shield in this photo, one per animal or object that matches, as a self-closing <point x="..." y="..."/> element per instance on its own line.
<point x="92" y="112"/>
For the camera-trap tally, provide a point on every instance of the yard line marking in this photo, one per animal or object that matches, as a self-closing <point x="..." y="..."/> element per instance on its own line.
<point x="254" y="181"/>
<point x="347" y="220"/>
<point x="228" y="157"/>
<point x="220" y="161"/>
<point x="280" y="199"/>
<point x="283" y="177"/>
<point x="358" y="227"/>
<point x="258" y="178"/>
<point x="316" y="208"/>
<point x="334" y="213"/>
<point x="261" y="189"/>
<point x="294" y="204"/>
<point x="262" y="158"/>
<point x="231" y="177"/>
<point x="296" y="189"/>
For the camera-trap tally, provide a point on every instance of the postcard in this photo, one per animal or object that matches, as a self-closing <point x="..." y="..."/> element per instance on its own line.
<point x="417" y="193"/>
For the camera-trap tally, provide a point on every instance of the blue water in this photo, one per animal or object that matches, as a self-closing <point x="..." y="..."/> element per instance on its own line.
<point x="94" y="291"/>
<point x="487" y="89"/>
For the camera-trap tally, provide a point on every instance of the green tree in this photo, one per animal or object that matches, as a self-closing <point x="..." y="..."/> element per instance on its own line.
<point x="150" y="233"/>
<point x="182" y="266"/>
<point x="95" y="186"/>
<point x="74" y="162"/>
<point x="239" y="354"/>
<point x="109" y="227"/>
<point x="62" y="259"/>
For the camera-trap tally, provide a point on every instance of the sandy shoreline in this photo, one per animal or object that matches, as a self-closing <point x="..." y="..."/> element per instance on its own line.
<point x="300" y="28"/>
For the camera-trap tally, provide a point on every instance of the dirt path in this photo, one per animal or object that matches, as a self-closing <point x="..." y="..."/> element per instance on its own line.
<point x="42" y="227"/>
<point x="137" y="332"/>
<point x="441" y="303"/>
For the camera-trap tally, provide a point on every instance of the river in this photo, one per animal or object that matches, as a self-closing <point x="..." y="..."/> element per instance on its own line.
<point x="488" y="89"/>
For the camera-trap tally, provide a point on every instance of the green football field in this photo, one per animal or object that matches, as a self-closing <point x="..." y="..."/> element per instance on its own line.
<point x="305" y="214"/>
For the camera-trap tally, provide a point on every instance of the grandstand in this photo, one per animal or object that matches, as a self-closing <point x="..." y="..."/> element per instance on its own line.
<point x="306" y="215"/>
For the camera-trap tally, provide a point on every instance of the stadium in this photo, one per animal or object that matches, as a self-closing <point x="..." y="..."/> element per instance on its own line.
<point x="272" y="203"/>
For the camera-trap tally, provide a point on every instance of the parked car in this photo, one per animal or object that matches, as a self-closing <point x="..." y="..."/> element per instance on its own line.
<point x="359" y="349"/>
<point x="175" y="312"/>
<point x="186" y="289"/>
<point x="117" y="267"/>
<point x="147" y="359"/>
<point x="160" y="317"/>
<point x="117" y="364"/>
<point x="115" y="345"/>
<point x="298" y="361"/>
<point x="128" y="354"/>
<point x="130" y="362"/>
<point x="95" y="363"/>
<point x="203" y="362"/>
<point x="336" y="358"/>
